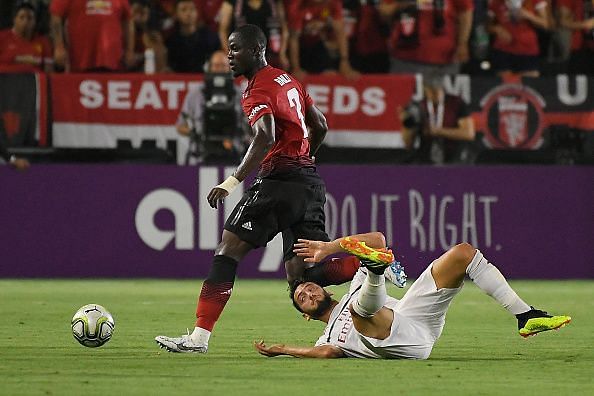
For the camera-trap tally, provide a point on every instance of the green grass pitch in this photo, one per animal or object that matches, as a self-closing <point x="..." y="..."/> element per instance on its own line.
<point x="480" y="352"/>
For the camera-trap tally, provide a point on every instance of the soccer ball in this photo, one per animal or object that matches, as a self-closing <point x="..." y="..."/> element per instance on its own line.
<point x="92" y="325"/>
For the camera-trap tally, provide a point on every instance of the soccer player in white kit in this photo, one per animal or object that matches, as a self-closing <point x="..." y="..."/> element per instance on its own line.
<point x="367" y="323"/>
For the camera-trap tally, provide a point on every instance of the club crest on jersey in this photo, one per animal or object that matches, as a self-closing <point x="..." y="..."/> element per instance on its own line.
<point x="255" y="110"/>
<point x="283" y="79"/>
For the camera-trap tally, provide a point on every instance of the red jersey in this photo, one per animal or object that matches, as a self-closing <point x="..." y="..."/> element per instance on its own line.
<point x="95" y="34"/>
<point x="208" y="10"/>
<point x="20" y="55"/>
<point x="431" y="45"/>
<point x="314" y="19"/>
<point x="524" y="38"/>
<point x="273" y="91"/>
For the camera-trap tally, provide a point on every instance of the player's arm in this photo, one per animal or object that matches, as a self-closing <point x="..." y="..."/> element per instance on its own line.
<point x="316" y="251"/>
<point x="263" y="130"/>
<point x="320" y="352"/>
<point x="317" y="125"/>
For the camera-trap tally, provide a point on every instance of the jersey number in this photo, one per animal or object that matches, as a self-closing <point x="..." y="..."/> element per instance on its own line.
<point x="293" y="97"/>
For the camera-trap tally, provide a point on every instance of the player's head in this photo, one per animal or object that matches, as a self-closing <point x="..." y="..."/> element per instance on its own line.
<point x="310" y="298"/>
<point x="247" y="50"/>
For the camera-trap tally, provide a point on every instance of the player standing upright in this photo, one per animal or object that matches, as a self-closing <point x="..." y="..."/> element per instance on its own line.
<point x="288" y="195"/>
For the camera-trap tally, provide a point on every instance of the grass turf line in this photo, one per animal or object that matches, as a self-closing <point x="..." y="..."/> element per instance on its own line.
<point x="479" y="352"/>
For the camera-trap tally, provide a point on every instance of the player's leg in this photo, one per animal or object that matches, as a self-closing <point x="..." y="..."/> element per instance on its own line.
<point x="216" y="291"/>
<point x="246" y="228"/>
<point x="370" y="317"/>
<point x="218" y="285"/>
<point x="309" y="222"/>
<point x="449" y="270"/>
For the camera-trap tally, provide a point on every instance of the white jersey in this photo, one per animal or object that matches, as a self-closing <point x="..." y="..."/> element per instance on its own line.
<point x="418" y="320"/>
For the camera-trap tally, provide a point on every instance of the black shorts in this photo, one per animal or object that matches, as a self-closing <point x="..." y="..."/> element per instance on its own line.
<point x="291" y="203"/>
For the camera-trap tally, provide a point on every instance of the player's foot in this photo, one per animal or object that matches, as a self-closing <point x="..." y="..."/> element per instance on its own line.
<point x="352" y="246"/>
<point x="183" y="344"/>
<point x="535" y="321"/>
<point x="395" y="274"/>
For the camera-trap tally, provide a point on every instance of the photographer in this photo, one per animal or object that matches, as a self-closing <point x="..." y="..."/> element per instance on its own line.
<point x="211" y="145"/>
<point x="439" y="128"/>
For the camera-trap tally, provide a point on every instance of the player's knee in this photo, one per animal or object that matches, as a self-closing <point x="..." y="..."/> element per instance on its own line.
<point x="381" y="239"/>
<point x="294" y="271"/>
<point x="462" y="254"/>
<point x="233" y="247"/>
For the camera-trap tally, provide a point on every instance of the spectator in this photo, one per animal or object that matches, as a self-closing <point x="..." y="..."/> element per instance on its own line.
<point x="440" y="127"/>
<point x="430" y="36"/>
<point x="268" y="15"/>
<point x="368" y="34"/>
<point x="191" y="118"/>
<point x="317" y="40"/>
<point x="23" y="50"/>
<point x="96" y="34"/>
<point x="210" y="13"/>
<point x="515" y="48"/>
<point x="191" y="43"/>
<point x="578" y="17"/>
<point x="147" y="36"/>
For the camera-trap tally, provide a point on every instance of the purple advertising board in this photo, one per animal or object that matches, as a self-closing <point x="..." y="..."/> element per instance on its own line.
<point x="154" y="221"/>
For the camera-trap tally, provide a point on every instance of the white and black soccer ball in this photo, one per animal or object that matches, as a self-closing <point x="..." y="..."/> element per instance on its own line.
<point x="92" y="325"/>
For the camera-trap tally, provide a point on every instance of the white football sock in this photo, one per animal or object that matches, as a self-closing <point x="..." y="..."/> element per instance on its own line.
<point x="372" y="295"/>
<point x="200" y="336"/>
<point x="488" y="278"/>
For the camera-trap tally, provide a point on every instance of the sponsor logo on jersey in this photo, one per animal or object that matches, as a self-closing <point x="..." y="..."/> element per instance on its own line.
<point x="247" y="225"/>
<point x="283" y="79"/>
<point x="255" y="111"/>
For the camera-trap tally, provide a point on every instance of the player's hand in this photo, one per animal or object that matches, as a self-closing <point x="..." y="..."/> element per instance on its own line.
<point x="216" y="196"/>
<point x="269" y="351"/>
<point x="312" y="251"/>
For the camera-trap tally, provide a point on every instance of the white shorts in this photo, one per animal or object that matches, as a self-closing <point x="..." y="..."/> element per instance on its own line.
<point x="425" y="304"/>
<point x="419" y="319"/>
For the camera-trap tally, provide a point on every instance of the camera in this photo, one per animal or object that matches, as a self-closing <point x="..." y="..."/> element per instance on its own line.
<point x="220" y="118"/>
<point x="413" y="116"/>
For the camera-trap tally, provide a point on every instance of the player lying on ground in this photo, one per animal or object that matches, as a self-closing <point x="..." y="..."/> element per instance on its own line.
<point x="366" y="323"/>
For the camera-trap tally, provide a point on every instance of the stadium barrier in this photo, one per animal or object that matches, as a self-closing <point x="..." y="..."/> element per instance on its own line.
<point x="154" y="221"/>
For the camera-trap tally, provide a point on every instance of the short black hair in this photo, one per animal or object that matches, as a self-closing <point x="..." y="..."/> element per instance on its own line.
<point x="251" y="35"/>
<point x="143" y="3"/>
<point x="28" y="4"/>
<point x="292" y="287"/>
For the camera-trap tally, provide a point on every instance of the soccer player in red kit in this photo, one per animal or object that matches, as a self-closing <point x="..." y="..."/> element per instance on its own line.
<point x="288" y="195"/>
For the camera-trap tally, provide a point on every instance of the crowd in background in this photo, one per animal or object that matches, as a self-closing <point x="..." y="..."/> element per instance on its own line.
<point x="527" y="37"/>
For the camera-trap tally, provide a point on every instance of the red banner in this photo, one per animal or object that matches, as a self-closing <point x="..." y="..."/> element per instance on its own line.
<point x="93" y="110"/>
